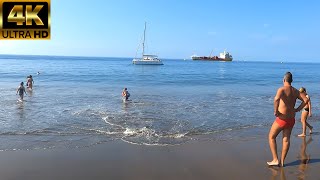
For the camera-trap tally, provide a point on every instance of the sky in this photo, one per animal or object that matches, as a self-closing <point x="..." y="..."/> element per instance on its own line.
<point x="251" y="30"/>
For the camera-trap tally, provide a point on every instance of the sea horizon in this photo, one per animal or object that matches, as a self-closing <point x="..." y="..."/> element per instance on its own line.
<point x="119" y="57"/>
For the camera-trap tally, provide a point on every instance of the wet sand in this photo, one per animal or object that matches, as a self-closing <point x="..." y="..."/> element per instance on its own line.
<point x="232" y="159"/>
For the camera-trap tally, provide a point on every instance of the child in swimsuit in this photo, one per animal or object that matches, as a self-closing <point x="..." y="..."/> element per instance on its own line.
<point x="21" y="90"/>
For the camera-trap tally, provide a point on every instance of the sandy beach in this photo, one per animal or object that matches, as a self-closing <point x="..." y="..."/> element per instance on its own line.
<point x="231" y="159"/>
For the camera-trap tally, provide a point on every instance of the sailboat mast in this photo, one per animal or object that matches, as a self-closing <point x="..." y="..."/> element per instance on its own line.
<point x="144" y="37"/>
<point x="211" y="53"/>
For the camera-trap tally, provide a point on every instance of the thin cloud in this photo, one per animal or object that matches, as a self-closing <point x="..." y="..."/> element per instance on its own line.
<point x="258" y="36"/>
<point x="275" y="39"/>
<point x="279" y="39"/>
<point x="212" y="33"/>
<point x="266" y="25"/>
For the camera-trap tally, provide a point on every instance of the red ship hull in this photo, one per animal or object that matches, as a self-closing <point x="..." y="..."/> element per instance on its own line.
<point x="213" y="58"/>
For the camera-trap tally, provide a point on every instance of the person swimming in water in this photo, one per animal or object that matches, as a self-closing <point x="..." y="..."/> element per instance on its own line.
<point x="21" y="90"/>
<point x="306" y="111"/>
<point x="284" y="110"/>
<point x="125" y="94"/>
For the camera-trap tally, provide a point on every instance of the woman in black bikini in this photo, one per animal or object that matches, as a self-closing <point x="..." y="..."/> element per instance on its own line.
<point x="306" y="111"/>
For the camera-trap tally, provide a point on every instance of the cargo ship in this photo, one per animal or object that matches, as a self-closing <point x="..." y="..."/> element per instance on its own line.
<point x="224" y="56"/>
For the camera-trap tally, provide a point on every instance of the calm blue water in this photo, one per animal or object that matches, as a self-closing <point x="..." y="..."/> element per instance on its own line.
<point x="76" y="102"/>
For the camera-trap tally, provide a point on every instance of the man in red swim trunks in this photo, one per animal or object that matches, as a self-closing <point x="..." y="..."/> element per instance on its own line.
<point x="284" y="110"/>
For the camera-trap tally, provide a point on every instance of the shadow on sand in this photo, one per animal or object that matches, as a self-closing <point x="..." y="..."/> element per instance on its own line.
<point x="301" y="163"/>
<point x="304" y="158"/>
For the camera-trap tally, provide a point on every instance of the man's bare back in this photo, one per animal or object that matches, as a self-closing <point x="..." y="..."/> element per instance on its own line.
<point x="286" y="97"/>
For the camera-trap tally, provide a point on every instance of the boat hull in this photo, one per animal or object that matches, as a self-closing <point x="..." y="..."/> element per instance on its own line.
<point x="204" y="58"/>
<point x="147" y="62"/>
<point x="224" y="56"/>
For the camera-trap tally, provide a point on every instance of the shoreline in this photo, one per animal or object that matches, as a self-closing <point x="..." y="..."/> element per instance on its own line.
<point x="232" y="159"/>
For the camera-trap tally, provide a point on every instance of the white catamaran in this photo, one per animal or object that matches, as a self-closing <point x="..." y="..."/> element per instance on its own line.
<point x="146" y="59"/>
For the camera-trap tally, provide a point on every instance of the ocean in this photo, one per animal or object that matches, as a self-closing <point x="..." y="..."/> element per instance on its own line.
<point x="76" y="101"/>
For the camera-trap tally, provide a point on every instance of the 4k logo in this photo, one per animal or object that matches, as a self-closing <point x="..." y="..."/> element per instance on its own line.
<point x="24" y="19"/>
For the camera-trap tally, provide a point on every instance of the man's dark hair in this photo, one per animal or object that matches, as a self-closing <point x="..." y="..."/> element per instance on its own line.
<point x="288" y="77"/>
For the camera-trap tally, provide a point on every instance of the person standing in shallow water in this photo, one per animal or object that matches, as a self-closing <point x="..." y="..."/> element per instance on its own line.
<point x="21" y="90"/>
<point x="30" y="82"/>
<point x="306" y="111"/>
<point x="284" y="110"/>
<point x="125" y="93"/>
